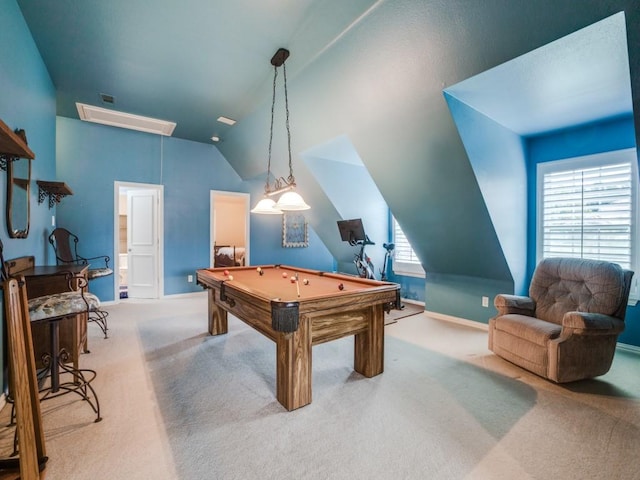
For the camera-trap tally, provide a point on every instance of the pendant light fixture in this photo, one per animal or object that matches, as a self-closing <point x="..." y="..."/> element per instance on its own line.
<point x="290" y="200"/>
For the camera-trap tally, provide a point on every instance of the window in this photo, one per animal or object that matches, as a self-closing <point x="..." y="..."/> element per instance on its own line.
<point x="405" y="260"/>
<point x="587" y="208"/>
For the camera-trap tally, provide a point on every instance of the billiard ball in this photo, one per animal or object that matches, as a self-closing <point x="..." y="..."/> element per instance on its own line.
<point x="226" y="272"/>
<point x="259" y="270"/>
<point x="341" y="287"/>
<point x="293" y="279"/>
<point x="305" y="281"/>
<point x="284" y="274"/>
<point x="230" y="277"/>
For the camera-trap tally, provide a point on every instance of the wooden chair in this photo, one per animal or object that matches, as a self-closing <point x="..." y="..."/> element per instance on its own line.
<point x="22" y="371"/>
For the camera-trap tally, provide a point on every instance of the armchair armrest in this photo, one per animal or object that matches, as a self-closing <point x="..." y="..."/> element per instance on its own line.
<point x="519" y="304"/>
<point x="592" y="323"/>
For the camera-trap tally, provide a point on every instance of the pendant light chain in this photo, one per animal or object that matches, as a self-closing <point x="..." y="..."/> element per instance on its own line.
<point x="267" y="187"/>
<point x="291" y="180"/>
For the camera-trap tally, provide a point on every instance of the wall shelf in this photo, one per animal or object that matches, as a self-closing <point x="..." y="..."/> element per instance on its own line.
<point x="13" y="146"/>
<point x="56" y="191"/>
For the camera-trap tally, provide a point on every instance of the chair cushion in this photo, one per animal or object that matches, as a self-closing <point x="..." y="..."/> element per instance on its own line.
<point x="528" y="328"/>
<point x="99" y="272"/>
<point x="561" y="285"/>
<point x="61" y="304"/>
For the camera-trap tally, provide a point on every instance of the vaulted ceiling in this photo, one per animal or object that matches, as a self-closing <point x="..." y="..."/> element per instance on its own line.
<point x="192" y="61"/>
<point x="188" y="62"/>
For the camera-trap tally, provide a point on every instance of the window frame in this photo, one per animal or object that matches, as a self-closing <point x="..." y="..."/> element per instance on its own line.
<point x="401" y="267"/>
<point x="592" y="161"/>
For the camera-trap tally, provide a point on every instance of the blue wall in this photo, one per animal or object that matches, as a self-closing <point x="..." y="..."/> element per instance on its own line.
<point x="609" y="135"/>
<point x="497" y="156"/>
<point x="28" y="102"/>
<point x="92" y="157"/>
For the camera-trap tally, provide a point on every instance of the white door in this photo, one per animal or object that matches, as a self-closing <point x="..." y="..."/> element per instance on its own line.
<point x="142" y="243"/>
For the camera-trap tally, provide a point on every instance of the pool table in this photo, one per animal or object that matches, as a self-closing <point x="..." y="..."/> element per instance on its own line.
<point x="298" y="308"/>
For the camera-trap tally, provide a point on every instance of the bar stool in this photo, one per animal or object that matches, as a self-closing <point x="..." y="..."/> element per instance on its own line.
<point x="52" y="309"/>
<point x="65" y="246"/>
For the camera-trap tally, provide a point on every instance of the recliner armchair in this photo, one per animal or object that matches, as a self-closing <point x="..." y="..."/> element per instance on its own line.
<point x="568" y="326"/>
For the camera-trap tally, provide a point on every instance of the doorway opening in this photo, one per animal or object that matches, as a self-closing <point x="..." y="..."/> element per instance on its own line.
<point x="139" y="233"/>
<point x="229" y="227"/>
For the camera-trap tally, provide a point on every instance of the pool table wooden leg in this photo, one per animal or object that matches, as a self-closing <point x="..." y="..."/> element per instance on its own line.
<point x="369" y="345"/>
<point x="218" y="324"/>
<point x="293" y="369"/>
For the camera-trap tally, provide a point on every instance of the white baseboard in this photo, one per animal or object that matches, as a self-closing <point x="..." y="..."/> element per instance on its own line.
<point x="628" y="348"/>
<point x="187" y="295"/>
<point x="458" y="320"/>
<point x="413" y="302"/>
<point x="174" y="295"/>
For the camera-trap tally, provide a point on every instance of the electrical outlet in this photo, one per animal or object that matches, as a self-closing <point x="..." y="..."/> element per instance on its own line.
<point x="190" y="278"/>
<point x="485" y="301"/>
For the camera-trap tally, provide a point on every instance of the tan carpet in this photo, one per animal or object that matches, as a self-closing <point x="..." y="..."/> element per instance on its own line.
<point x="179" y="404"/>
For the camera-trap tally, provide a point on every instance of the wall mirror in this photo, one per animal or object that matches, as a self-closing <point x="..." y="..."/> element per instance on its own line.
<point x="18" y="181"/>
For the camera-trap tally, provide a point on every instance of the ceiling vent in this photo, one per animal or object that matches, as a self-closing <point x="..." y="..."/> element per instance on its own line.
<point x="114" y="118"/>
<point x="227" y="120"/>
<point x="107" y="99"/>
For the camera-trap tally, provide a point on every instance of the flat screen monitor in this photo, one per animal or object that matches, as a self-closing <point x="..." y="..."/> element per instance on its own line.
<point x="351" y="230"/>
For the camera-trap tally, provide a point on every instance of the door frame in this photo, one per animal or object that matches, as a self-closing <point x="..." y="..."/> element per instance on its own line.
<point x="118" y="185"/>
<point x="212" y="223"/>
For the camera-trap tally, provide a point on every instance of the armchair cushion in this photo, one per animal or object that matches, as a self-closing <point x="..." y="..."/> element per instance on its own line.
<point x="531" y="329"/>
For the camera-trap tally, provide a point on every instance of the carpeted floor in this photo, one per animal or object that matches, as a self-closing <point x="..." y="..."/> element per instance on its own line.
<point x="179" y="404"/>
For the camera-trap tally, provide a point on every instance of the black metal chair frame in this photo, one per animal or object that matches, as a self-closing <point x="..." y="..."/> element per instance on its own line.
<point x="62" y="241"/>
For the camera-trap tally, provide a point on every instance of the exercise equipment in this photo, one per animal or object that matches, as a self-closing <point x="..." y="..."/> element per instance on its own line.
<point x="352" y="231"/>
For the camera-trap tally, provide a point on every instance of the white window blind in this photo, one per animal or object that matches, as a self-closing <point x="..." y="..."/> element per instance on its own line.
<point x="405" y="260"/>
<point x="587" y="208"/>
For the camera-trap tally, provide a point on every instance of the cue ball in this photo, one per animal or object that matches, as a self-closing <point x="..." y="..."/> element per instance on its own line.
<point x="259" y="270"/>
<point x="230" y="277"/>
<point x="284" y="274"/>
<point x="305" y="281"/>
<point x="341" y="287"/>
